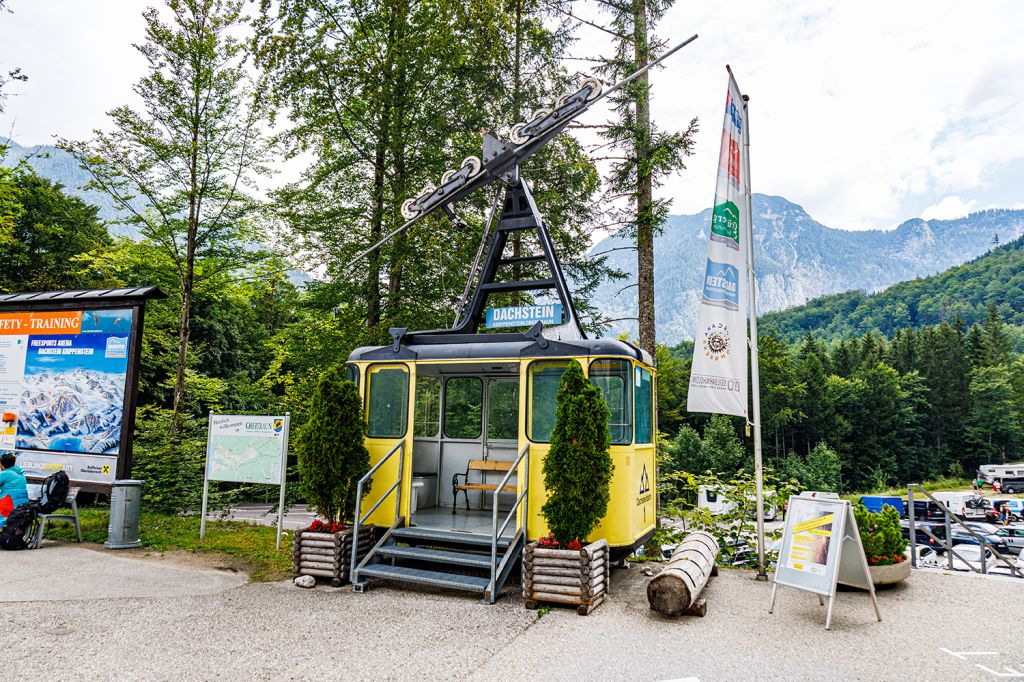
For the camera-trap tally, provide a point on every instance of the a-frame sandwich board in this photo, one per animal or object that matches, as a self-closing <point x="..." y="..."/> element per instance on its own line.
<point x="821" y="548"/>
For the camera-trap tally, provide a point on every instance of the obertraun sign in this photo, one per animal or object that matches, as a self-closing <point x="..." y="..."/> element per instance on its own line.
<point x="821" y="547"/>
<point x="247" y="448"/>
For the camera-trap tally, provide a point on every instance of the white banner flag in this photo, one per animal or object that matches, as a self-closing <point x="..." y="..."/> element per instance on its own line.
<point x="718" y="377"/>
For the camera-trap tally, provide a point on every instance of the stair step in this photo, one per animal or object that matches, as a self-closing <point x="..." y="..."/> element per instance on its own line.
<point x="470" y="583"/>
<point x="437" y="556"/>
<point x="428" y="536"/>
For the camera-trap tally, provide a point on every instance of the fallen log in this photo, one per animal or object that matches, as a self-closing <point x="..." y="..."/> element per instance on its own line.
<point x="675" y="590"/>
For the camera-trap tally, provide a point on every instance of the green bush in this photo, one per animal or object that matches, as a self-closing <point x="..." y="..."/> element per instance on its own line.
<point x="578" y="467"/>
<point x="881" y="535"/>
<point x="331" y="449"/>
<point x="820" y="470"/>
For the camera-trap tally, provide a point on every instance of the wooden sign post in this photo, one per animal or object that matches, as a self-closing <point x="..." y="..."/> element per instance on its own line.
<point x="820" y="548"/>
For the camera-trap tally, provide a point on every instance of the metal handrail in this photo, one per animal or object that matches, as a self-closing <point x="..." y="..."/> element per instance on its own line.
<point x="496" y="568"/>
<point x="983" y="544"/>
<point x="399" y="447"/>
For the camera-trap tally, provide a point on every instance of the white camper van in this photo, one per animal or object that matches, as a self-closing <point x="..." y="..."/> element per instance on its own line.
<point x="966" y="505"/>
<point x="715" y="501"/>
<point x="992" y="472"/>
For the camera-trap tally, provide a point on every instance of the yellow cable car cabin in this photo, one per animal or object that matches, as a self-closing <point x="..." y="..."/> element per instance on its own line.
<point x="459" y="420"/>
<point x="444" y="411"/>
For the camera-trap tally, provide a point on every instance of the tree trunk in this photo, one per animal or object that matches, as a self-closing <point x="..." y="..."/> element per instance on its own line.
<point x="187" y="276"/>
<point x="645" y="190"/>
<point x="183" y="334"/>
<point x="376" y="231"/>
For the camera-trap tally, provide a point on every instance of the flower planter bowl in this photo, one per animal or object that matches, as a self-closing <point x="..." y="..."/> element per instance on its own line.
<point x="577" y="577"/>
<point x="890" y="574"/>
<point x="328" y="555"/>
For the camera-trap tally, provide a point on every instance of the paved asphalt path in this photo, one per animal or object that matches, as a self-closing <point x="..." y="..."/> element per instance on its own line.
<point x="76" y="613"/>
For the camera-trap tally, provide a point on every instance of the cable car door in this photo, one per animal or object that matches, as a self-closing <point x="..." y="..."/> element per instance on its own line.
<point x="502" y="427"/>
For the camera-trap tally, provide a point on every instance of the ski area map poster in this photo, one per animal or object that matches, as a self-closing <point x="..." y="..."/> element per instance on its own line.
<point x="63" y="377"/>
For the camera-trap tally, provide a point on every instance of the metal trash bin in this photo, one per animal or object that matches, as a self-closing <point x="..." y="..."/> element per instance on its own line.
<point x="424" y="490"/>
<point x="125" y="507"/>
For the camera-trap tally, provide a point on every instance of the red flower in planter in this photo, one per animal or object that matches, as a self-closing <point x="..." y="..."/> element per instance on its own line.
<point x="548" y="542"/>
<point x="575" y="545"/>
<point x="319" y="526"/>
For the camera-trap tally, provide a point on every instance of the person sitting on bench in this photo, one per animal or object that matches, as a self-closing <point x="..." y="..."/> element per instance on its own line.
<point x="13" y="490"/>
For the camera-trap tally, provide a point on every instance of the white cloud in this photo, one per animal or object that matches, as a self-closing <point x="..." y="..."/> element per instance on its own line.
<point x="862" y="112"/>
<point x="949" y="208"/>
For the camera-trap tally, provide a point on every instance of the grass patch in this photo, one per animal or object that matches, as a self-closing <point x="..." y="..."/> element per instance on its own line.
<point x="943" y="484"/>
<point x="250" y="547"/>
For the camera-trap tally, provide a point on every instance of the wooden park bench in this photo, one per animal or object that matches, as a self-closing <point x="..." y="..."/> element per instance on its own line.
<point x="483" y="466"/>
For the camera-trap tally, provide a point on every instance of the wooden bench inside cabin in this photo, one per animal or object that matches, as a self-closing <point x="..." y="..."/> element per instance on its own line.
<point x="484" y="467"/>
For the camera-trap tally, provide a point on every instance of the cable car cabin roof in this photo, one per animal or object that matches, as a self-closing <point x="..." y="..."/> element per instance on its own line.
<point x="501" y="346"/>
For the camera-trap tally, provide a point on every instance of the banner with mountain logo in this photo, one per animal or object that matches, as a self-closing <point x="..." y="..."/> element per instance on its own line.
<point x="718" y="379"/>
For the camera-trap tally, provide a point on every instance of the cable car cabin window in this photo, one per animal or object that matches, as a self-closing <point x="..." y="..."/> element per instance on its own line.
<point x="502" y="410"/>
<point x="463" y="407"/>
<point x="389" y="402"/>
<point x="426" y="418"/>
<point x="644" y="406"/>
<point x="544" y="380"/>
<point x="352" y="374"/>
<point x="612" y="378"/>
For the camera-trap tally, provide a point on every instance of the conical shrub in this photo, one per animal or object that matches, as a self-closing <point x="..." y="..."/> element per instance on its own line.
<point x="331" y="449"/>
<point x="578" y="467"/>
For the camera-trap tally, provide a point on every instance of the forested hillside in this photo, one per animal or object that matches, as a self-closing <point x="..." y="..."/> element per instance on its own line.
<point x="965" y="291"/>
<point x="930" y="402"/>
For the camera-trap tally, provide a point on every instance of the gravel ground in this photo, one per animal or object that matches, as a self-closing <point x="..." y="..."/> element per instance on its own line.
<point x="166" y="622"/>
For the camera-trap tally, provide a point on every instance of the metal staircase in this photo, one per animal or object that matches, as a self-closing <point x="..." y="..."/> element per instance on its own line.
<point x="438" y="558"/>
<point x="472" y="562"/>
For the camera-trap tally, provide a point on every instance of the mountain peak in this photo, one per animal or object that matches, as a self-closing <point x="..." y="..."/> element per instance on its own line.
<point x="798" y="258"/>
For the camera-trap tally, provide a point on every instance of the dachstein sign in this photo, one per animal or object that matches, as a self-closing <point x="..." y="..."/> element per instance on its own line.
<point x="524" y="315"/>
<point x="718" y="381"/>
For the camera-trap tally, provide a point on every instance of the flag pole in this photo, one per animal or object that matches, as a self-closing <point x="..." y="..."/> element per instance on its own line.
<point x="755" y="374"/>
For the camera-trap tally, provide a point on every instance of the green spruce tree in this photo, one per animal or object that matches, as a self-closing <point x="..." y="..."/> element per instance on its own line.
<point x="578" y="467"/>
<point x="331" y="451"/>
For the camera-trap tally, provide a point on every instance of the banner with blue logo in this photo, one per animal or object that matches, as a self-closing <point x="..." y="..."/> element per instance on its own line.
<point x="524" y="315"/>
<point x="718" y="379"/>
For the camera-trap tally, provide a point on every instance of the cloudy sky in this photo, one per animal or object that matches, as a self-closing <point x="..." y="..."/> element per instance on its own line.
<point x="866" y="113"/>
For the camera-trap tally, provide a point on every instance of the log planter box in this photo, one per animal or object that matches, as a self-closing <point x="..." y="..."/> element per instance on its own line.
<point x="328" y="555"/>
<point x="577" y="577"/>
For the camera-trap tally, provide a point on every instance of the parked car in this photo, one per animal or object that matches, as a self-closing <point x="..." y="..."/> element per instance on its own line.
<point x="1012" y="486"/>
<point x="972" y="554"/>
<point x="925" y="510"/>
<point x="959" y="536"/>
<point x="1014" y="507"/>
<point x="874" y="503"/>
<point x="1014" y="537"/>
<point x="1003" y="569"/>
<point x="927" y="557"/>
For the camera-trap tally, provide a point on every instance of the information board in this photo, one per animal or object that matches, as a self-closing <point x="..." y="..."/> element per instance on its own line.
<point x="63" y="380"/>
<point x="821" y="547"/>
<point x="246" y="448"/>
